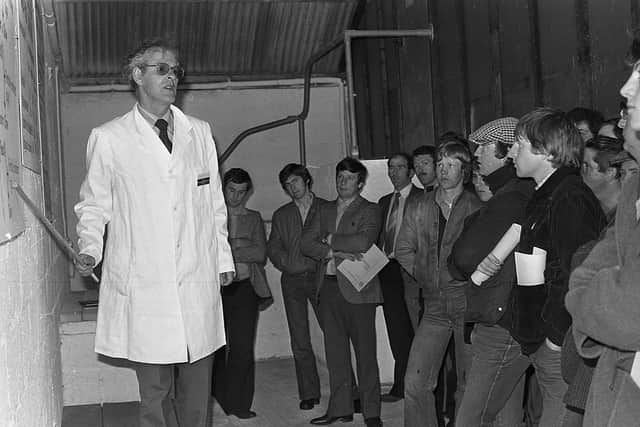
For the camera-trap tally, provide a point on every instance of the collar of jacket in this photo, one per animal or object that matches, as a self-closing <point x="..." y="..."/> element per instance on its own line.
<point x="554" y="180"/>
<point x="498" y="178"/>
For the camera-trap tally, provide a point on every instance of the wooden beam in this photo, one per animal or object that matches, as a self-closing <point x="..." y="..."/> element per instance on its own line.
<point x="535" y="70"/>
<point x="496" y="57"/>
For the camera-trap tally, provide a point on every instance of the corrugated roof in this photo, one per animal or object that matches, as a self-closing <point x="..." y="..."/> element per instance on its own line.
<point x="219" y="39"/>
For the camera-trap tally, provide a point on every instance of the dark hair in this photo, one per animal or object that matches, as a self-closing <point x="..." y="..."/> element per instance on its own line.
<point x="551" y="132"/>
<point x="297" y="170"/>
<point x="424" y="150"/>
<point x="606" y="149"/>
<point x="455" y="149"/>
<point x="137" y="57"/>
<point x="405" y="156"/>
<point x="237" y="176"/>
<point x="354" y="166"/>
<point x="452" y="136"/>
<point x="592" y="118"/>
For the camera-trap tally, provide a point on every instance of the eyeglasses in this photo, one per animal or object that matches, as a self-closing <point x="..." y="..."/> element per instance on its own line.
<point x="162" y="69"/>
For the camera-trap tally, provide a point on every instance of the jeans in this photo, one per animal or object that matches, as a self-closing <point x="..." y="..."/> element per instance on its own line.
<point x="443" y="319"/>
<point x="495" y="374"/>
<point x="491" y="349"/>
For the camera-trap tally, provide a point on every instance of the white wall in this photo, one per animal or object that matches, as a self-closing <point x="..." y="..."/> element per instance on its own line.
<point x="32" y="282"/>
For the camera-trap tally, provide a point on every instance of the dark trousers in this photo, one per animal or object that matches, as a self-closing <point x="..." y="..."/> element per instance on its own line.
<point x="235" y="365"/>
<point x="297" y="291"/>
<point x="191" y="382"/>
<point x="399" y="327"/>
<point x="343" y="323"/>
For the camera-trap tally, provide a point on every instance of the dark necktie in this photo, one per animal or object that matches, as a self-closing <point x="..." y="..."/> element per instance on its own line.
<point x="392" y="224"/>
<point x="162" y="125"/>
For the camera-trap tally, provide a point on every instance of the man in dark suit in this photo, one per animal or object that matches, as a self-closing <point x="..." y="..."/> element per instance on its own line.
<point x="396" y="315"/>
<point x="344" y="229"/>
<point x="298" y="274"/>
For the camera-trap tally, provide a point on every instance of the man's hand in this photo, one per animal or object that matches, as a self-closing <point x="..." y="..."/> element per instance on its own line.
<point x="226" y="278"/>
<point x="351" y="256"/>
<point x="85" y="265"/>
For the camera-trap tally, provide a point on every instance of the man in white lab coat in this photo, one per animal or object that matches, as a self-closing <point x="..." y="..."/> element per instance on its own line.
<point x="152" y="176"/>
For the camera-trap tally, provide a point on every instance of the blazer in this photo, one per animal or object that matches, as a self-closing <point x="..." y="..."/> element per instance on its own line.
<point x="160" y="291"/>
<point x="283" y="246"/>
<point x="358" y="230"/>
<point x="385" y="202"/>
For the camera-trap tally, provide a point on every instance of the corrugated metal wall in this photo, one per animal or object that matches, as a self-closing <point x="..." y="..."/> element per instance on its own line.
<point x="246" y="39"/>
<point x="490" y="58"/>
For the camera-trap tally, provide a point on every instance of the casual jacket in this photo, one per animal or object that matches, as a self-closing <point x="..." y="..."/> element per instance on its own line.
<point x="489" y="302"/>
<point x="357" y="232"/>
<point x="562" y="215"/>
<point x="160" y="291"/>
<point x="417" y="243"/>
<point x="603" y="300"/>
<point x="251" y="227"/>
<point x="284" y="241"/>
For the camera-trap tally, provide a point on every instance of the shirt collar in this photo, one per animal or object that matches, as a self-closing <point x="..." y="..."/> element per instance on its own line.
<point x="404" y="193"/>
<point x="545" y="179"/>
<point x="152" y="118"/>
<point x="310" y="197"/>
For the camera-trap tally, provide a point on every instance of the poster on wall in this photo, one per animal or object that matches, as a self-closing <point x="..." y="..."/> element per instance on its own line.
<point x="28" y="70"/>
<point x="11" y="209"/>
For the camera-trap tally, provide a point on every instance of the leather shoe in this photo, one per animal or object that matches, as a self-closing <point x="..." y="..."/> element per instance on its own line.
<point x="357" y="407"/>
<point x="306" y="404"/>
<point x="390" y="397"/>
<point x="373" y="422"/>
<point x="326" y="420"/>
<point x="245" y="414"/>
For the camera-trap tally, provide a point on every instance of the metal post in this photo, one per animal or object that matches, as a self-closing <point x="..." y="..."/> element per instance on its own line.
<point x="353" y="149"/>
<point x="301" y="139"/>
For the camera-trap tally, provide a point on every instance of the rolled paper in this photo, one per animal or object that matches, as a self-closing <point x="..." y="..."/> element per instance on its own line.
<point x="503" y="248"/>
<point x="530" y="267"/>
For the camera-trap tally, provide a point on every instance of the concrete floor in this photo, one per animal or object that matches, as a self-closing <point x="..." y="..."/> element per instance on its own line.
<point x="275" y="401"/>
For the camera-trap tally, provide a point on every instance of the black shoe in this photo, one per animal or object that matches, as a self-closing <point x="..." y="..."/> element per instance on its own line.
<point x="244" y="414"/>
<point x="390" y="397"/>
<point x="357" y="407"/>
<point x="306" y="404"/>
<point x="326" y="420"/>
<point x="373" y="422"/>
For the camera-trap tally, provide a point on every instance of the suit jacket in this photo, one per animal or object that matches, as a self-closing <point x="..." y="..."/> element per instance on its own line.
<point x="357" y="231"/>
<point x="411" y="287"/>
<point x="283" y="247"/>
<point x="167" y="244"/>
<point x="603" y="300"/>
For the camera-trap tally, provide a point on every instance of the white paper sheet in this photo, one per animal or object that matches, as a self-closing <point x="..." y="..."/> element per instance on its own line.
<point x="503" y="248"/>
<point x="361" y="272"/>
<point x="530" y="267"/>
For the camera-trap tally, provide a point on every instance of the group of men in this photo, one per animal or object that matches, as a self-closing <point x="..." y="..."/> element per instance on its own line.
<point x="168" y="256"/>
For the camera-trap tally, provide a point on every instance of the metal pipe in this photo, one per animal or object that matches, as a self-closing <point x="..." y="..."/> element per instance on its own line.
<point x="353" y="134"/>
<point x="303" y="145"/>
<point x="290" y="119"/>
<point x="425" y="32"/>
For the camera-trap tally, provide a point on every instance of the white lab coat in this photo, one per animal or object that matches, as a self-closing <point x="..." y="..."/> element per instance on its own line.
<point x="167" y="239"/>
